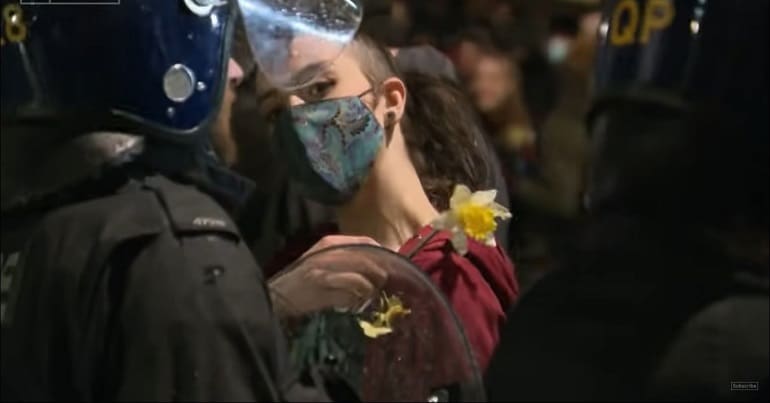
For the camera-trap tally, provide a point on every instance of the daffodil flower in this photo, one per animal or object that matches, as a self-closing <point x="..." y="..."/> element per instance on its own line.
<point x="471" y="215"/>
<point x="382" y="323"/>
<point x="372" y="331"/>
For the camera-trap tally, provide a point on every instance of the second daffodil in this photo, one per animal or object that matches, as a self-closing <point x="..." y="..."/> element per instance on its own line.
<point x="471" y="214"/>
<point x="391" y="308"/>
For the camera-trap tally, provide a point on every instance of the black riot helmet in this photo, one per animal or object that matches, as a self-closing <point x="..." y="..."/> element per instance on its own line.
<point x="679" y="119"/>
<point x="156" y="67"/>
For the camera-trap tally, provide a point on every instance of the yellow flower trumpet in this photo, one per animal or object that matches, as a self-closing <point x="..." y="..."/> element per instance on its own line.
<point x="471" y="215"/>
<point x="391" y="308"/>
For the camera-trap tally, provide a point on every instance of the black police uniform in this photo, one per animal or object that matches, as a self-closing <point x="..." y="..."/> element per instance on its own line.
<point x="123" y="278"/>
<point x="132" y="287"/>
<point x="639" y="310"/>
<point x="664" y="294"/>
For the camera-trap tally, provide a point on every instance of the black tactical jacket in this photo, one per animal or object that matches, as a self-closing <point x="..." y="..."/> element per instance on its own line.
<point x="120" y="284"/>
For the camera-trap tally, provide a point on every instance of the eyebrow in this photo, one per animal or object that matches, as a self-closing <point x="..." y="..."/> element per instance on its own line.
<point x="307" y="73"/>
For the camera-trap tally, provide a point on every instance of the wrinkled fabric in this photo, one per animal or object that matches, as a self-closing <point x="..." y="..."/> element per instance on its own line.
<point x="142" y="294"/>
<point x="126" y="285"/>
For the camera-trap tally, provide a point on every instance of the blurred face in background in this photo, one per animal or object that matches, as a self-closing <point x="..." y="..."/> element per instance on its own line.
<point x="586" y="41"/>
<point x="492" y="83"/>
<point x="502" y="14"/>
<point x="468" y="54"/>
<point x="222" y="133"/>
<point x="401" y="22"/>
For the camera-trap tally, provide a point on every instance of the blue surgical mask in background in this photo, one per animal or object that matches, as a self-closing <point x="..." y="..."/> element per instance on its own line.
<point x="557" y="50"/>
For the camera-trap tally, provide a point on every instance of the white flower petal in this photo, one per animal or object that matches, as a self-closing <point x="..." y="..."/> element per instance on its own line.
<point x="460" y="241"/>
<point x="491" y="241"/>
<point x="446" y="221"/>
<point x="484" y="197"/>
<point x="460" y="196"/>
<point x="500" y="211"/>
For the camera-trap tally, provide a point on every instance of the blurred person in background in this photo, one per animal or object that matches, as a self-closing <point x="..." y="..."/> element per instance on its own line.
<point x="468" y="48"/>
<point x="561" y="36"/>
<point x="502" y="15"/>
<point x="540" y="86"/>
<point x="410" y="151"/>
<point x="663" y="294"/>
<point x="388" y="21"/>
<point x="551" y="200"/>
<point x="499" y="96"/>
<point x="434" y="21"/>
<point x="496" y="88"/>
<point x="564" y="138"/>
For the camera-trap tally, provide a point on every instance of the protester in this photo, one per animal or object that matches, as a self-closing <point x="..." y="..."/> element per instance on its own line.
<point x="388" y="21"/>
<point x="428" y="60"/>
<point x="467" y="51"/>
<point x="563" y="151"/>
<point x="276" y="197"/>
<point x="405" y="185"/>
<point x="550" y="202"/>
<point x="497" y="91"/>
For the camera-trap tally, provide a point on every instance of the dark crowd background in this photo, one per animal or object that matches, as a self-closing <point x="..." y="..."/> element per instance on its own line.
<point x="525" y="65"/>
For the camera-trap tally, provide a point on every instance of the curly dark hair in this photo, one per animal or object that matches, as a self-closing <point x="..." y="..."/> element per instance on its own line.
<point x="439" y="125"/>
<point x="442" y="137"/>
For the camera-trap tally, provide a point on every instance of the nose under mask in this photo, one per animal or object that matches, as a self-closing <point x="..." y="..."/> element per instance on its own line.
<point x="329" y="147"/>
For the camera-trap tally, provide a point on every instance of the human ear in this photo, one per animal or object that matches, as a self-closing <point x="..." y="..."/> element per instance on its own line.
<point x="394" y="92"/>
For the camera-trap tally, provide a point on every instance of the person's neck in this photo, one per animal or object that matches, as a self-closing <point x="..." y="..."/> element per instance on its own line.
<point x="390" y="212"/>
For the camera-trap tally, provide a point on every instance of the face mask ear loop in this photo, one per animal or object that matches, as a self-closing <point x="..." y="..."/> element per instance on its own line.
<point x="390" y="117"/>
<point x="369" y="91"/>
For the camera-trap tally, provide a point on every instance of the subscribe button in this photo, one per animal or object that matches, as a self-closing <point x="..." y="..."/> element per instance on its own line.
<point x="741" y="386"/>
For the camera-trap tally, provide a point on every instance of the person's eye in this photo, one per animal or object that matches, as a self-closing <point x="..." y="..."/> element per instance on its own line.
<point x="317" y="91"/>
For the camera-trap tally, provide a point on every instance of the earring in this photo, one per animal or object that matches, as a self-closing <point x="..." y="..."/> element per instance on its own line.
<point x="390" y="120"/>
<point x="390" y="123"/>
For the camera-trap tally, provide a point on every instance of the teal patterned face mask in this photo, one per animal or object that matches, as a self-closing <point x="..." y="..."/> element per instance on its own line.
<point x="330" y="146"/>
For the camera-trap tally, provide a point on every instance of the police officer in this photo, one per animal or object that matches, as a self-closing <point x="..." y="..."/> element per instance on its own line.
<point x="665" y="295"/>
<point x="123" y="277"/>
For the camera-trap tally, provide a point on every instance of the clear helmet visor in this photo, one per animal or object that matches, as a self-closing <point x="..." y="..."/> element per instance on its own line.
<point x="293" y="41"/>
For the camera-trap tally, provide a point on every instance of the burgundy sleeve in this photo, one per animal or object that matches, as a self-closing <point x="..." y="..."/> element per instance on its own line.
<point x="479" y="287"/>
